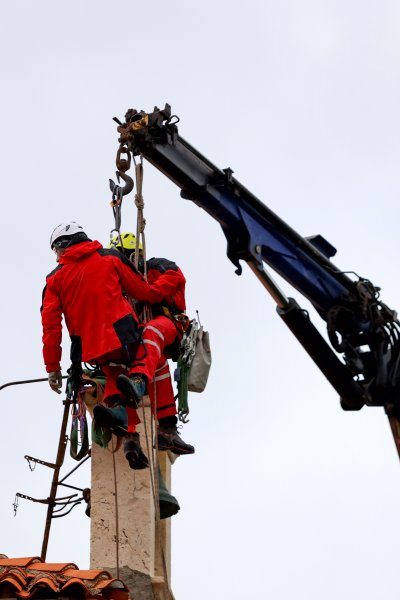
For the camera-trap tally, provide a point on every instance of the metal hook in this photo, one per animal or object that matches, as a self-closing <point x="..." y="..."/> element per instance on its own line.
<point x="123" y="165"/>
<point x="119" y="191"/>
<point x="128" y="187"/>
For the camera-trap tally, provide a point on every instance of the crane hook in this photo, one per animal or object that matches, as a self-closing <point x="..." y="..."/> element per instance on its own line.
<point x="117" y="190"/>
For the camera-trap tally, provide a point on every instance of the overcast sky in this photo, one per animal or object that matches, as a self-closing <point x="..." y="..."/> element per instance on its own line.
<point x="287" y="496"/>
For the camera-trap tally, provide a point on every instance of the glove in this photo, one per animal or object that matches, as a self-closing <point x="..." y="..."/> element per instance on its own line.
<point x="55" y="381"/>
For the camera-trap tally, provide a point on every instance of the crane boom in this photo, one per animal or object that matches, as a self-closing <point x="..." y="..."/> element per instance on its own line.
<point x="361" y="328"/>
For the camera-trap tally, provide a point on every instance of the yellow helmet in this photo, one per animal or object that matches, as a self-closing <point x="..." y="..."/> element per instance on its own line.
<point x="128" y="242"/>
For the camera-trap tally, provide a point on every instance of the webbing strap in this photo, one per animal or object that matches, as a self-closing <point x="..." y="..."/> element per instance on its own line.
<point x="79" y="432"/>
<point x="182" y="379"/>
<point x="187" y="352"/>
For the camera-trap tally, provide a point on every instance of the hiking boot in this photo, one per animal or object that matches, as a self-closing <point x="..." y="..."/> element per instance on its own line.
<point x="133" y="388"/>
<point x="169" y="439"/>
<point x="115" y="418"/>
<point x="134" y="453"/>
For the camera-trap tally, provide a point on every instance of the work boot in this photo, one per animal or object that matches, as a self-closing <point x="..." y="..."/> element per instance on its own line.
<point x="114" y="418"/>
<point x="133" y="389"/>
<point x="134" y="453"/>
<point x="169" y="439"/>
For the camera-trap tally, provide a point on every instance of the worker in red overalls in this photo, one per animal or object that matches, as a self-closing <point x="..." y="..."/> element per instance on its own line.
<point x="160" y="340"/>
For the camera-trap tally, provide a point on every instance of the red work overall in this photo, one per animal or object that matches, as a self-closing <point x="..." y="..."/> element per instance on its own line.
<point x="151" y="362"/>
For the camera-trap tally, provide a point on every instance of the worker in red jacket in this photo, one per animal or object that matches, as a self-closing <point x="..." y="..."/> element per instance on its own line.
<point x="161" y="340"/>
<point x="87" y="288"/>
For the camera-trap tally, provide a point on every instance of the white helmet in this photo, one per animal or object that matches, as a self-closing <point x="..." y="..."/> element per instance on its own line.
<point x="63" y="233"/>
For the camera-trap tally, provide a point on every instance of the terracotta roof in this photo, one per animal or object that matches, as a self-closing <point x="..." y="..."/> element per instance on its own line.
<point x="31" y="578"/>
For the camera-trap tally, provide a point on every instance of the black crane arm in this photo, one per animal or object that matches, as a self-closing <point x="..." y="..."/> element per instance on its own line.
<point x="360" y="327"/>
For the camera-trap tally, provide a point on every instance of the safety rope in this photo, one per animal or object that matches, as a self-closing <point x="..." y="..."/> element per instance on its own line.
<point x="118" y="193"/>
<point x="140" y="221"/>
<point x="146" y="316"/>
<point x="116" y="509"/>
<point x="155" y="469"/>
<point x="140" y="235"/>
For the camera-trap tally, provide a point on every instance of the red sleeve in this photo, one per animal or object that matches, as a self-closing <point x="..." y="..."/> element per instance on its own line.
<point x="132" y="282"/>
<point x="166" y="285"/>
<point x="52" y="328"/>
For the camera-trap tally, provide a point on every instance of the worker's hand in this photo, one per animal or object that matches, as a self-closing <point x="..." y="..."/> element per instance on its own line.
<point x="55" y="381"/>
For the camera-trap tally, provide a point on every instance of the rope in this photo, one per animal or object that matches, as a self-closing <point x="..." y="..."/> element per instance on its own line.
<point x="153" y="456"/>
<point x="116" y="510"/>
<point x="154" y="467"/>
<point x="154" y="464"/>
<point x="157" y="502"/>
<point x="140" y="236"/>
<point x="141" y="221"/>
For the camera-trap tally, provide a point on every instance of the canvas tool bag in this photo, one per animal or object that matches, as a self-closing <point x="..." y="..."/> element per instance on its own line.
<point x="201" y="363"/>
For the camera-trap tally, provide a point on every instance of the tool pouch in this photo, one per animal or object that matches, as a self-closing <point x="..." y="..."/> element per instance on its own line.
<point x="201" y="364"/>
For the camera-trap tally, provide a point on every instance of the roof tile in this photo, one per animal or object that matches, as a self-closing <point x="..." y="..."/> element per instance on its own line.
<point x="30" y="577"/>
<point x="54" y="567"/>
<point x="17" y="562"/>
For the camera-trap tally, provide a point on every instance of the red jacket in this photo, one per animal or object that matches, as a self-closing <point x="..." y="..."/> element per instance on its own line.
<point x="86" y="288"/>
<point x="166" y="280"/>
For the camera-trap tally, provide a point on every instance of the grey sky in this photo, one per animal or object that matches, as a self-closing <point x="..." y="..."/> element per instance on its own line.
<point x="287" y="496"/>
